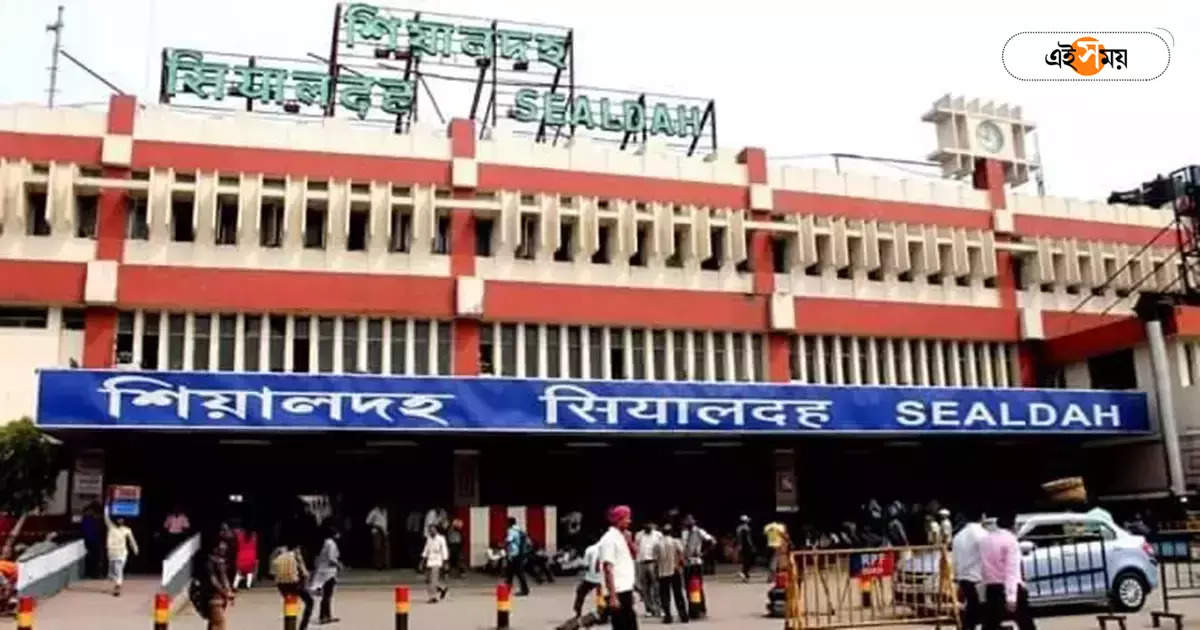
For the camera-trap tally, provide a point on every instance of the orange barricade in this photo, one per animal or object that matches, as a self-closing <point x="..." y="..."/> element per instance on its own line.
<point x="839" y="588"/>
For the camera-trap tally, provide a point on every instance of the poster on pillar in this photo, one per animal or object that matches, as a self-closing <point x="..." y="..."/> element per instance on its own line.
<point x="99" y="399"/>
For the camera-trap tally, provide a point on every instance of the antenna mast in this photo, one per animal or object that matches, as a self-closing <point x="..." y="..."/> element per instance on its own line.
<point x="57" y="28"/>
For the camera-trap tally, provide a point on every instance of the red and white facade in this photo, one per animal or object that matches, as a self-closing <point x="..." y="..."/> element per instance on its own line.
<point x="169" y="240"/>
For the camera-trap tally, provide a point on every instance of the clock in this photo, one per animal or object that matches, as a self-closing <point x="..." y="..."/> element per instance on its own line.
<point x="989" y="136"/>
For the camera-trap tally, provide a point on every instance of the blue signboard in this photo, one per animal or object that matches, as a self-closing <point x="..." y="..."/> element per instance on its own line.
<point x="224" y="400"/>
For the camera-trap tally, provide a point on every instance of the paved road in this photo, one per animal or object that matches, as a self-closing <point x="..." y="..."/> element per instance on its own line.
<point x="367" y="605"/>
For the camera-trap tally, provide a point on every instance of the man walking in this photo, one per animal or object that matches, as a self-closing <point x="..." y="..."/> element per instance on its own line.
<point x="668" y="556"/>
<point x="745" y="545"/>
<point x="119" y="542"/>
<point x="776" y="534"/>
<point x="222" y="591"/>
<point x="433" y="557"/>
<point x="515" y="547"/>
<point x="616" y="560"/>
<point x="291" y="576"/>
<point x="1000" y="556"/>
<point x="592" y="578"/>
<point x="647" y="576"/>
<point x="454" y="540"/>
<point x="324" y="578"/>
<point x="968" y="570"/>
<point x="695" y="543"/>
<point x="377" y="523"/>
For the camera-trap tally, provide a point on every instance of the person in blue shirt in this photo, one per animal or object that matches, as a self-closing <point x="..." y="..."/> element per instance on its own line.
<point x="515" y="546"/>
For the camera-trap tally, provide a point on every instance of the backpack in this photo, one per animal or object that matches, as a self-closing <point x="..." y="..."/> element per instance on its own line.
<point x="200" y="589"/>
<point x="526" y="544"/>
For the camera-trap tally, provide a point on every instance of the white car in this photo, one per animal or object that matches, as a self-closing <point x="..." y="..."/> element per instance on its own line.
<point x="1067" y="558"/>
<point x="1070" y="557"/>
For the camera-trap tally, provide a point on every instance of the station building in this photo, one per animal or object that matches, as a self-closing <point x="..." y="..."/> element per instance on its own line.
<point x="150" y="242"/>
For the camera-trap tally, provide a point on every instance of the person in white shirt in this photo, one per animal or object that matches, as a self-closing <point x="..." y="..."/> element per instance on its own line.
<point x="120" y="541"/>
<point x="377" y="522"/>
<point x="968" y="572"/>
<point x="647" y="575"/>
<point x="324" y="578"/>
<point x="592" y="577"/>
<point x="616" y="560"/>
<point x="434" y="557"/>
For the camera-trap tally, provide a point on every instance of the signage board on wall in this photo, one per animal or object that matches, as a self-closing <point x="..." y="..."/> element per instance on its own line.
<point x="233" y="401"/>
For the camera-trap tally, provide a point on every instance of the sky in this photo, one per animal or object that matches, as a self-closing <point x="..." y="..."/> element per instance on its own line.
<point x="796" y="78"/>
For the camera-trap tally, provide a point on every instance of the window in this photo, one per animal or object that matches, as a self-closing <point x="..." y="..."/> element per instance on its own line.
<point x="698" y="353"/>
<point x="484" y="229"/>
<point x="325" y="333"/>
<point x="718" y="341"/>
<point x="150" y="334"/>
<point x="757" y="366"/>
<point x="658" y="341"/>
<point x="679" y="350"/>
<point x="574" y="352"/>
<point x="616" y="354"/>
<point x="1114" y="370"/>
<point x="529" y="231"/>
<point x="375" y="346"/>
<point x="716" y="237"/>
<point x="227" y="341"/>
<point x="641" y="251"/>
<point x="278" y="340"/>
<point x="445" y="335"/>
<point x="487" y="353"/>
<point x="183" y="228"/>
<point x="779" y="253"/>
<point x="36" y="221"/>
<point x="270" y="223"/>
<point x="441" y="240"/>
<point x="638" y="339"/>
<point x="675" y="260"/>
<point x="124" y="338"/>
<point x="566" y="237"/>
<point x="399" y="343"/>
<point x="739" y="357"/>
<point x="227" y="220"/>
<point x="73" y="319"/>
<point x="350" y="345"/>
<point x="554" y="348"/>
<point x="400" y="239"/>
<point x="508" y="349"/>
<point x="176" y="327"/>
<point x="18" y="317"/>
<point x="532" y="358"/>
<point x="596" y="352"/>
<point x="421" y="345"/>
<point x="85" y="216"/>
<point x="314" y="225"/>
<point x="356" y="239"/>
<point x="251" y="348"/>
<point x="603" y="255"/>
<point x="301" y="344"/>
<point x="202" y="340"/>
<point x="137" y="218"/>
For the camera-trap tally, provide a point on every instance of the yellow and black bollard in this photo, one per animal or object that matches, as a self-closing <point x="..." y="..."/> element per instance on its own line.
<point x="503" y="605"/>
<point x="25" y="613"/>
<point x="864" y="588"/>
<point x="291" y="609"/>
<point x="162" y="611"/>
<point x="401" y="608"/>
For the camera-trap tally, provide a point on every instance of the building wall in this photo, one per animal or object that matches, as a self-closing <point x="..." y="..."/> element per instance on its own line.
<point x="25" y="347"/>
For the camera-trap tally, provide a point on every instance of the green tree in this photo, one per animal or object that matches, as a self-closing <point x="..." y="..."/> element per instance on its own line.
<point x="29" y="465"/>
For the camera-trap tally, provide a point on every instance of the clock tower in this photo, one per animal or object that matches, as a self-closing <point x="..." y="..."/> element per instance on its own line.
<point x="970" y="130"/>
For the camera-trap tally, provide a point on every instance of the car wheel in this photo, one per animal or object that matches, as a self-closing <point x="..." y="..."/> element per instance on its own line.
<point x="1129" y="591"/>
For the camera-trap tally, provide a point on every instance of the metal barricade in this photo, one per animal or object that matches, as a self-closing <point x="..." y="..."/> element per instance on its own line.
<point x="839" y="588"/>
<point x="1066" y="568"/>
<point x="1178" y="553"/>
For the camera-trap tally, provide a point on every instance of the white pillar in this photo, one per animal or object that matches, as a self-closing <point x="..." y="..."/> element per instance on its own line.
<point x="689" y="359"/>
<point x="387" y="345"/>
<point x="410" y="348"/>
<point x="139" y="328"/>
<point x="585" y="352"/>
<point x="339" y="366"/>
<point x="819" y="360"/>
<point x="1166" y="405"/>
<point x="988" y="376"/>
<point x="972" y="365"/>
<point x="669" y="359"/>
<point x="801" y="359"/>
<point x="839" y="367"/>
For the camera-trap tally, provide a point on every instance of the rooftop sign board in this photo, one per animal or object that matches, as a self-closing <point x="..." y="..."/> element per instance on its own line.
<point x="391" y="66"/>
